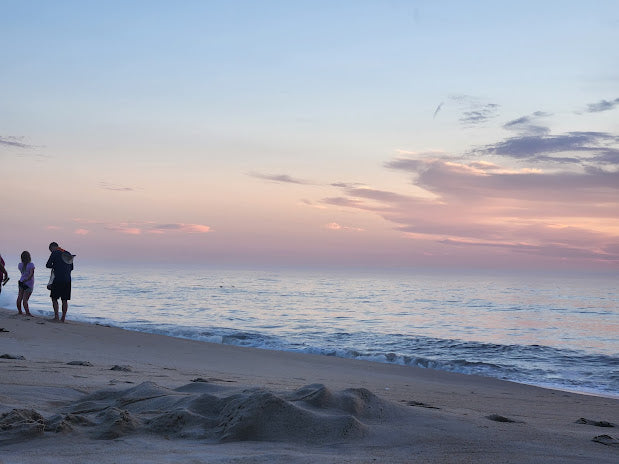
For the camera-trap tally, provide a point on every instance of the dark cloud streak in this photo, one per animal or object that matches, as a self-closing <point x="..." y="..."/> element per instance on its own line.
<point x="281" y="178"/>
<point x="377" y="195"/>
<point x="526" y="125"/>
<point x="438" y="108"/>
<point x="14" y="142"/>
<point x="539" y="147"/>
<point x="115" y="188"/>
<point x="474" y="111"/>
<point x="602" y="105"/>
<point x="479" y="115"/>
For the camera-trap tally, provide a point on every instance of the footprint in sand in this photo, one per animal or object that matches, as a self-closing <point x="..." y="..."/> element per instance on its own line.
<point x="121" y="368"/>
<point x="11" y="356"/>
<point x="116" y="381"/>
<point x="582" y="420"/>
<point x="606" y="440"/>
<point x="419" y="404"/>
<point x="498" y="418"/>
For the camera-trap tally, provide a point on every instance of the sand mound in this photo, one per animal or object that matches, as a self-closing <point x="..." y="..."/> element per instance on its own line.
<point x="20" y="424"/>
<point x="358" y="402"/>
<point x="63" y="423"/>
<point x="263" y="416"/>
<point x="182" y="423"/>
<point x="115" y="423"/>
<point x="105" y="399"/>
<point x="312" y="414"/>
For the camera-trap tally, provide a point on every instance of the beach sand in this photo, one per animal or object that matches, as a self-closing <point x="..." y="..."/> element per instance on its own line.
<point x="78" y="392"/>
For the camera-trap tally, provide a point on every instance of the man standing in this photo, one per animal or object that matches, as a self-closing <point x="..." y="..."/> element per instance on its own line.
<point x="61" y="264"/>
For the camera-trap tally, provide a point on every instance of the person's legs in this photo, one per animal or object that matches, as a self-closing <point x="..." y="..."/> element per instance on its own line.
<point x="65" y="306"/>
<point x="20" y="296"/>
<point x="55" y="306"/>
<point x="25" y="299"/>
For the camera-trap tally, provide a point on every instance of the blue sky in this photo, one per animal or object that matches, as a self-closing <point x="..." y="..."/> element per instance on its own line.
<point x="388" y="133"/>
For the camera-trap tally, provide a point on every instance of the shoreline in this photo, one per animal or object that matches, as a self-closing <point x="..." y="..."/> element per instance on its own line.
<point x="554" y="387"/>
<point x="485" y="418"/>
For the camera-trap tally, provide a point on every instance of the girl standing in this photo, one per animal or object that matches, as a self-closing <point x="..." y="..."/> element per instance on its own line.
<point x="26" y="282"/>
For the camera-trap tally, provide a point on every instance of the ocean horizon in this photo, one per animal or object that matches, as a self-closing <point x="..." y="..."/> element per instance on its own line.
<point x="554" y="330"/>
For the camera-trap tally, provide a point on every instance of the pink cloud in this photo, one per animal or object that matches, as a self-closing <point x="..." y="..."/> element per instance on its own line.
<point x="82" y="231"/>
<point x="132" y="231"/>
<point x="333" y="226"/>
<point x="179" y="227"/>
<point x="197" y="228"/>
<point x="126" y="230"/>
<point x="336" y="226"/>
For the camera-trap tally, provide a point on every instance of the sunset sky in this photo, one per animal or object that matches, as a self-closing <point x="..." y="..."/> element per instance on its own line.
<point x="312" y="133"/>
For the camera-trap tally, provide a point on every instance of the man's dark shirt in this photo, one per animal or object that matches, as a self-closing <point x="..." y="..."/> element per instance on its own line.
<point x="62" y="270"/>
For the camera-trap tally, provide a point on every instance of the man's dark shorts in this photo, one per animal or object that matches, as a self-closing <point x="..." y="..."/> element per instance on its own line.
<point x="61" y="290"/>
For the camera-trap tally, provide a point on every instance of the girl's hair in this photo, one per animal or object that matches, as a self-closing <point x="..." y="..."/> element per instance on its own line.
<point x="25" y="257"/>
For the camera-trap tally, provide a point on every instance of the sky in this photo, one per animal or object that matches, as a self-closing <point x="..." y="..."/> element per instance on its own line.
<point x="388" y="134"/>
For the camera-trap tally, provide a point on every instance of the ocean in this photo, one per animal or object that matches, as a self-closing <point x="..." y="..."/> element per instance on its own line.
<point x="557" y="331"/>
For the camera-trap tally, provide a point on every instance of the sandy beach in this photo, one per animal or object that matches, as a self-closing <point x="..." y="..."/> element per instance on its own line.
<point x="80" y="392"/>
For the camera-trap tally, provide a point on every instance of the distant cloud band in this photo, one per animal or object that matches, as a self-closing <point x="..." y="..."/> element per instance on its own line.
<point x="284" y="178"/>
<point x="139" y="228"/>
